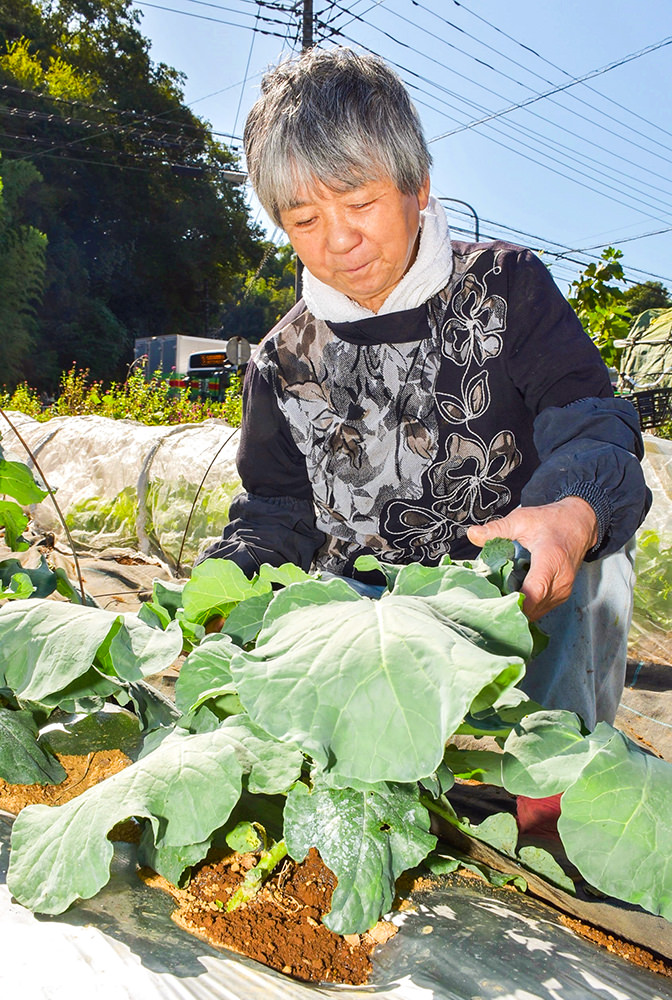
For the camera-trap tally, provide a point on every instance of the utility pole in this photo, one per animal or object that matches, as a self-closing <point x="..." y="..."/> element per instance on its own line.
<point x="306" y="43"/>
<point x="307" y="26"/>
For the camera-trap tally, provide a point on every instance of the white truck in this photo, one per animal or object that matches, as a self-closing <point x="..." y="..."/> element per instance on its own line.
<point x="170" y="354"/>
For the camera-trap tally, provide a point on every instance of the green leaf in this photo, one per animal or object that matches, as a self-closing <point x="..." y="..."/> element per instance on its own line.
<point x="171" y="862"/>
<point x="215" y="588"/>
<point x="417" y="580"/>
<point x="154" y="709"/>
<point x="111" y="729"/>
<point x="19" y="589"/>
<point x="616" y="824"/>
<point x="442" y="864"/>
<point x="498" y="555"/>
<point x="307" y="595"/>
<point x="47" y="649"/>
<point x="498" y="721"/>
<point x="440" y="782"/>
<point x="284" y="575"/>
<point x="371" y="564"/>
<point x="271" y="767"/>
<point x="22" y="761"/>
<point x="14" y="522"/>
<point x="544" y="864"/>
<point x="43" y="579"/>
<point x="367" y="839"/>
<point x="244" y="838"/>
<point x="245" y="620"/>
<point x="321" y="672"/>
<point x="474" y="765"/>
<point x="186" y="787"/>
<point x="168" y="595"/>
<point x="154" y="615"/>
<point x="136" y="651"/>
<point x="207" y="668"/>
<point x="16" y="480"/>
<point x="500" y="830"/>
<point x="547" y="751"/>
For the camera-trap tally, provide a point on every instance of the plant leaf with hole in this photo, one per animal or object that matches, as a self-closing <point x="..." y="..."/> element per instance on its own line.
<point x="367" y="839"/>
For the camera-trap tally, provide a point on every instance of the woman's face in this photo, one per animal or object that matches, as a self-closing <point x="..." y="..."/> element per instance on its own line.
<point x="360" y="242"/>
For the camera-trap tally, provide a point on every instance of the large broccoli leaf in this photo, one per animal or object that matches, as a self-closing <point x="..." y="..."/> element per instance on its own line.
<point x="48" y="648"/>
<point x="22" y="760"/>
<point x="186" y="787"/>
<point x="321" y="672"/>
<point x="366" y="838"/>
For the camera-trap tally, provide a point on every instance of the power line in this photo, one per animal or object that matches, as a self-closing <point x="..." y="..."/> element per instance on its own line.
<point x="195" y="125"/>
<point x="507" y="76"/>
<point x="247" y="70"/>
<point x="553" y="167"/>
<point x="204" y="17"/>
<point x="493" y="69"/>
<point x="542" y="242"/>
<point x="537" y="55"/>
<point x="557" y="90"/>
<point x="488" y="117"/>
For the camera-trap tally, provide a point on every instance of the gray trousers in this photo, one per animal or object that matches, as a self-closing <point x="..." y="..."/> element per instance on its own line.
<point x="583" y="667"/>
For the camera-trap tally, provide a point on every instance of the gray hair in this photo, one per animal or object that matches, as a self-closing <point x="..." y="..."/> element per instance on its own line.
<point x="332" y="116"/>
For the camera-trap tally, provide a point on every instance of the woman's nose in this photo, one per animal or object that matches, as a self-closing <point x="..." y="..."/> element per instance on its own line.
<point x="341" y="236"/>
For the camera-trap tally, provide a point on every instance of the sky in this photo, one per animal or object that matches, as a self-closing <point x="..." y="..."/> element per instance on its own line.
<point x="584" y="163"/>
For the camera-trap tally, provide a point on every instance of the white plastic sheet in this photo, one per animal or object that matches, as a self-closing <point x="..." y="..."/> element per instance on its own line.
<point x="121" y="483"/>
<point x="651" y="633"/>
<point x="460" y="941"/>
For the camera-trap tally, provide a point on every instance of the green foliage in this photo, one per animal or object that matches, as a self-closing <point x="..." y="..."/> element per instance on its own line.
<point x="232" y="407"/>
<point x="148" y="400"/>
<point x="600" y="305"/>
<point x="343" y="708"/>
<point x="22" y="65"/>
<point x="24" y="400"/>
<point x="646" y="295"/>
<point x="260" y="298"/>
<point x="653" y="593"/>
<point x="16" y="482"/>
<point x="145" y="235"/>
<point x="22" y="266"/>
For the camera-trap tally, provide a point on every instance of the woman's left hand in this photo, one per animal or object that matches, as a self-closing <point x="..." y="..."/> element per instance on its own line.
<point x="557" y="536"/>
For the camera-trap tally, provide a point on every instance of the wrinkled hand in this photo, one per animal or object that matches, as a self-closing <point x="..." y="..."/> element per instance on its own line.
<point x="557" y="535"/>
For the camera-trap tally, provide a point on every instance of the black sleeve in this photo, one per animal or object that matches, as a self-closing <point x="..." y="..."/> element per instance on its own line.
<point x="269" y="463"/>
<point x="592" y="449"/>
<point x="589" y="443"/>
<point x="273" y="521"/>
<point x="550" y="357"/>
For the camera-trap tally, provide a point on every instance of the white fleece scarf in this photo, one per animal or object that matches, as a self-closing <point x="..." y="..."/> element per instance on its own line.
<point x="428" y="274"/>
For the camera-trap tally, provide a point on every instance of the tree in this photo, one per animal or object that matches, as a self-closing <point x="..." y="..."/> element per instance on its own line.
<point x="600" y="306"/>
<point x="646" y="295"/>
<point x="144" y="230"/>
<point x="22" y="266"/>
<point x="262" y="296"/>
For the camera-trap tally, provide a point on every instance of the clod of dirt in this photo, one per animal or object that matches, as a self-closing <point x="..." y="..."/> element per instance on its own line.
<point x="282" y="925"/>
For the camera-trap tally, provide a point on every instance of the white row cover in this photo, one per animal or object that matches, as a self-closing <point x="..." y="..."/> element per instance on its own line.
<point x="121" y="483"/>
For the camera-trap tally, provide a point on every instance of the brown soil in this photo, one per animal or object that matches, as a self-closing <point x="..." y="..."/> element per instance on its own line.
<point x="282" y="926"/>
<point x="631" y="952"/>
<point x="82" y="773"/>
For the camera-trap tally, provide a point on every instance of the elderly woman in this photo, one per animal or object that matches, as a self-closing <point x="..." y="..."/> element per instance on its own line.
<point x="427" y="395"/>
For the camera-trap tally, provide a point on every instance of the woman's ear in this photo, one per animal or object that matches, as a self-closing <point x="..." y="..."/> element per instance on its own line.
<point x="423" y="194"/>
